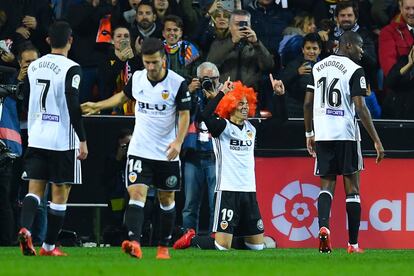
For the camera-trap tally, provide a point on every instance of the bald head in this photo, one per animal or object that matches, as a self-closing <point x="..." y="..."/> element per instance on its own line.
<point x="350" y="45"/>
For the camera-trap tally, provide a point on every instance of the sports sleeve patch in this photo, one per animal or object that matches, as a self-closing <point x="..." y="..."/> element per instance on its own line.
<point x="76" y="81"/>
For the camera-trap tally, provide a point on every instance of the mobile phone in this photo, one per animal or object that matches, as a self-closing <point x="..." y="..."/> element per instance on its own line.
<point x="124" y="44"/>
<point x="243" y="25"/>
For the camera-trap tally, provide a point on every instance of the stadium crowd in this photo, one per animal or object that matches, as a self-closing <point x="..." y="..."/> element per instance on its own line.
<point x="281" y="38"/>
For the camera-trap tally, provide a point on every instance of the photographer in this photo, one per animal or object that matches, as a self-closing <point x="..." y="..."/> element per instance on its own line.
<point x="10" y="149"/>
<point x="198" y="156"/>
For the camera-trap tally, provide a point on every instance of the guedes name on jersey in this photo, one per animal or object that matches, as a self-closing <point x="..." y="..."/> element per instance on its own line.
<point x="48" y="65"/>
<point x="332" y="63"/>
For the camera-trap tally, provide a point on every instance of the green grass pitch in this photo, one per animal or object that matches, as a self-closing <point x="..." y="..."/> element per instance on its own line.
<point x="196" y="262"/>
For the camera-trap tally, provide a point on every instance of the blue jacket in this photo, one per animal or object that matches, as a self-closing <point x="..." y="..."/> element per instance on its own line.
<point x="9" y="125"/>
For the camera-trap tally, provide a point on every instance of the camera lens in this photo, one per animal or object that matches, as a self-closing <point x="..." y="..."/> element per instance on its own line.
<point x="207" y="84"/>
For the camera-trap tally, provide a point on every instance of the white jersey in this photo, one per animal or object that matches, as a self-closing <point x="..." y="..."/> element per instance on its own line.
<point x="234" y="149"/>
<point x="156" y="113"/>
<point x="336" y="80"/>
<point x="49" y="125"/>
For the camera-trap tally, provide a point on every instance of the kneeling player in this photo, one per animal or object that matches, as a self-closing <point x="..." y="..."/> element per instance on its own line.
<point x="236" y="209"/>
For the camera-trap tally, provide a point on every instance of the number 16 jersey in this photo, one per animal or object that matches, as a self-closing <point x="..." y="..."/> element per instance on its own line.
<point x="336" y="80"/>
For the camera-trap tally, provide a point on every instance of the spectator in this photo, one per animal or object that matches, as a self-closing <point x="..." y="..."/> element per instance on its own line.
<point x="8" y="25"/>
<point x="145" y="25"/>
<point x="292" y="43"/>
<point x="382" y="11"/>
<point x="35" y="18"/>
<point x="166" y="7"/>
<point x="242" y="56"/>
<point x="182" y="56"/>
<point x="346" y="16"/>
<point x="268" y="21"/>
<point x="297" y="74"/>
<point x="198" y="156"/>
<point x="85" y="19"/>
<point x="214" y="26"/>
<point x="119" y="65"/>
<point x="395" y="39"/>
<point x="130" y="15"/>
<point x="400" y="80"/>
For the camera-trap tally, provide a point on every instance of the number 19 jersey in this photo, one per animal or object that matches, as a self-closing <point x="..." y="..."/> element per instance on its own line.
<point x="49" y="125"/>
<point x="336" y="80"/>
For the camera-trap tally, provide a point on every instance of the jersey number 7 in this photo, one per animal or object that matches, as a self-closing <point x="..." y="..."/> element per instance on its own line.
<point x="45" y="89"/>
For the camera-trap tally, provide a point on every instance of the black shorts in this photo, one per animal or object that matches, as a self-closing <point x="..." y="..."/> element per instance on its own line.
<point x="237" y="213"/>
<point x="59" y="167"/>
<point x="338" y="158"/>
<point x="163" y="175"/>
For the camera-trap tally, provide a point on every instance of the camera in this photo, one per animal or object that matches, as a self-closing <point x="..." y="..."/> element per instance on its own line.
<point x="207" y="84"/>
<point x="11" y="90"/>
<point x="6" y="156"/>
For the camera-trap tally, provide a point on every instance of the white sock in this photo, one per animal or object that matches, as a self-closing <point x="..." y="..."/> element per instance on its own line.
<point x="48" y="247"/>
<point x="253" y="246"/>
<point x="354" y="245"/>
<point x="219" y="247"/>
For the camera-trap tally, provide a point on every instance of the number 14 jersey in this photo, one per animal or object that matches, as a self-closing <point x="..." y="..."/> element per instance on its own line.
<point x="336" y="79"/>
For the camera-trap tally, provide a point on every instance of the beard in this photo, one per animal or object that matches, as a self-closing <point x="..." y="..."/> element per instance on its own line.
<point x="145" y="24"/>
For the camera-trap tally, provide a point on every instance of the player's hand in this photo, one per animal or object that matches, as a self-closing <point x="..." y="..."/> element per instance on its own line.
<point x="90" y="108"/>
<point x="227" y="86"/>
<point x="310" y="145"/>
<point x="277" y="86"/>
<point x="380" y="152"/>
<point x="173" y="150"/>
<point x="83" y="151"/>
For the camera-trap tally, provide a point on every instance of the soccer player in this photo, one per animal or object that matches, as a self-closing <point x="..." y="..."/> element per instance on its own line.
<point x="57" y="140"/>
<point x="334" y="138"/>
<point x="155" y="145"/>
<point x="236" y="209"/>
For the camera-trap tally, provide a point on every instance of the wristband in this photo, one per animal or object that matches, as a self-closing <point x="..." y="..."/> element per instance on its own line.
<point x="309" y="134"/>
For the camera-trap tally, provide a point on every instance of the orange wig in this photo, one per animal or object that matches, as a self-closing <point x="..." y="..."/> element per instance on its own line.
<point x="230" y="101"/>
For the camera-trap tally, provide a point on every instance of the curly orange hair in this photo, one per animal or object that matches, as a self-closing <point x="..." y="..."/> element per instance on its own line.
<point x="230" y="101"/>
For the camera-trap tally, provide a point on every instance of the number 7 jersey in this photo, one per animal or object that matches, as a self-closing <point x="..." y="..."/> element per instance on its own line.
<point x="336" y="80"/>
<point x="49" y="125"/>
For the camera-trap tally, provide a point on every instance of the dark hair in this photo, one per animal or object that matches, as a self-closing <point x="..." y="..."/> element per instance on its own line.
<point x="59" y="34"/>
<point x="347" y="4"/>
<point x="349" y="37"/>
<point x="151" y="45"/>
<point x="119" y="27"/>
<point x="26" y="47"/>
<point x="312" y="37"/>
<point x="173" y="18"/>
<point x="146" y="3"/>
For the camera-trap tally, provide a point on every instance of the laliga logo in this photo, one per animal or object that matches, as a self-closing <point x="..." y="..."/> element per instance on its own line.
<point x="295" y="211"/>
